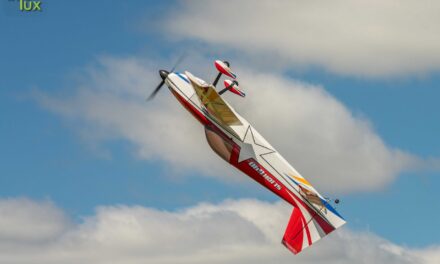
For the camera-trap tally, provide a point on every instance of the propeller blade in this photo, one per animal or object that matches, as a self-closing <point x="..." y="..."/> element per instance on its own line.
<point x="179" y="60"/>
<point x="153" y="94"/>
<point x="163" y="74"/>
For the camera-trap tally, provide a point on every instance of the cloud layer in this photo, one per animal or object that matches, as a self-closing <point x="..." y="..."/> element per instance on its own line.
<point x="235" y="231"/>
<point x="362" y="38"/>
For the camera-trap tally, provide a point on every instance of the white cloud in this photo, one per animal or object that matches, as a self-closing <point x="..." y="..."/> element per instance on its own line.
<point x="235" y="231"/>
<point x="337" y="151"/>
<point x="319" y="135"/>
<point x="47" y="221"/>
<point x="110" y="104"/>
<point x="363" y="38"/>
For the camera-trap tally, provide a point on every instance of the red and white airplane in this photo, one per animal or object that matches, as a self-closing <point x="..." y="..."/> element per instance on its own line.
<point x="239" y="143"/>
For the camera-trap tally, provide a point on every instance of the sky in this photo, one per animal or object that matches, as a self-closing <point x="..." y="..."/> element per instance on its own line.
<point x="91" y="173"/>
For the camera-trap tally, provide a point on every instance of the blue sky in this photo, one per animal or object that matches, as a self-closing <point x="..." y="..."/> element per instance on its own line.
<point x="44" y="155"/>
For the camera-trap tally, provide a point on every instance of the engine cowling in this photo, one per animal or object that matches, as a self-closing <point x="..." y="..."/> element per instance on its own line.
<point x="235" y="89"/>
<point x="224" y="69"/>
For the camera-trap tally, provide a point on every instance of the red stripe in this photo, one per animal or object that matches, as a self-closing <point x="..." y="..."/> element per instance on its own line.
<point x="294" y="236"/>
<point x="309" y="238"/>
<point x="194" y="111"/>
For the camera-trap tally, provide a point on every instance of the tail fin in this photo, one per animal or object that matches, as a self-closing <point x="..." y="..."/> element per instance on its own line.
<point x="306" y="226"/>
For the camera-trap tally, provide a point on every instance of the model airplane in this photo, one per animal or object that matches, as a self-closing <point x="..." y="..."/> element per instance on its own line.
<point x="239" y="143"/>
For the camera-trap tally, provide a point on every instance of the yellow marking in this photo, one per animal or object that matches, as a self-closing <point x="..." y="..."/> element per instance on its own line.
<point x="302" y="180"/>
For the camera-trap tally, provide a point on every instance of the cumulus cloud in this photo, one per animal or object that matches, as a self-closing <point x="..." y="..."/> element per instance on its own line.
<point x="362" y="38"/>
<point x="336" y="150"/>
<point x="234" y="231"/>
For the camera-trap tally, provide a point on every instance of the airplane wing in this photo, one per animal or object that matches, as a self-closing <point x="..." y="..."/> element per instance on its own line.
<point x="312" y="218"/>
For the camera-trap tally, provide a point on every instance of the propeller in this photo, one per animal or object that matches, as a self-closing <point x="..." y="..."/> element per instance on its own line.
<point x="164" y="74"/>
